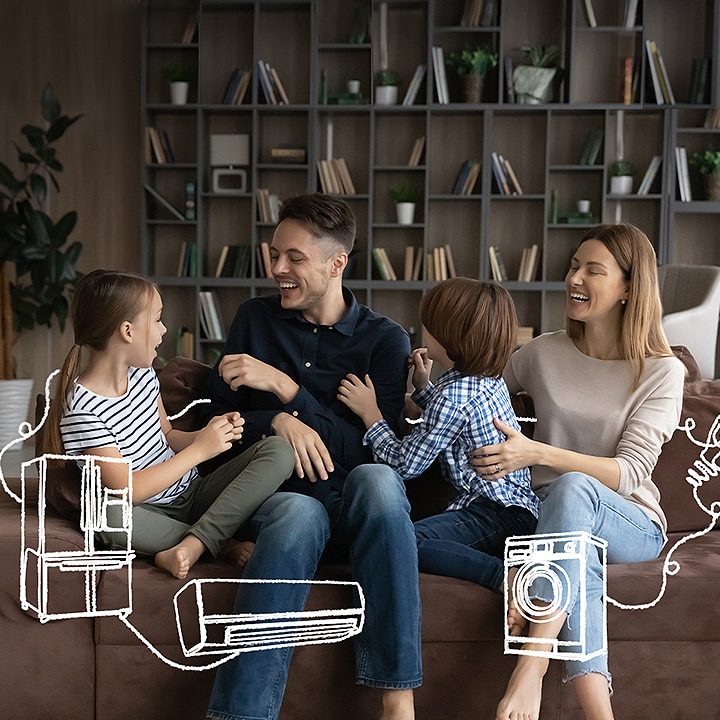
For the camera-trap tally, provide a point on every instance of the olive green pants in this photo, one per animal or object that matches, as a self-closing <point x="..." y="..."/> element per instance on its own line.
<point x="213" y="507"/>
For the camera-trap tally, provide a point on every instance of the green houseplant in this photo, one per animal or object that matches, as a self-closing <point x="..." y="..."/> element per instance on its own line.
<point x="708" y="163"/>
<point x="178" y="75"/>
<point x="473" y="65"/>
<point x="32" y="244"/>
<point x="386" y="86"/>
<point x="621" y="180"/>
<point x="405" y="196"/>
<point x="534" y="81"/>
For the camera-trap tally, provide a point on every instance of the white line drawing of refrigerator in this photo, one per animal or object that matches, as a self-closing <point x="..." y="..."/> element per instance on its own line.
<point x="77" y="570"/>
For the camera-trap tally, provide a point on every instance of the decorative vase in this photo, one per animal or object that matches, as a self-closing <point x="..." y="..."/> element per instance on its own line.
<point x="533" y="85"/>
<point x="14" y="408"/>
<point x="621" y="184"/>
<point x="473" y="88"/>
<point x="386" y="94"/>
<point x="179" y="93"/>
<point x="405" y="212"/>
<point x="712" y="187"/>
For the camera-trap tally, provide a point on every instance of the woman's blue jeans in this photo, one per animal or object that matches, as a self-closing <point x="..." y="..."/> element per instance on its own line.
<point x="469" y="543"/>
<point x="577" y="502"/>
<point x="370" y="521"/>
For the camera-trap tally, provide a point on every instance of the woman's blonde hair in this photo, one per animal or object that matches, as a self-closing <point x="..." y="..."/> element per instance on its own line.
<point x="102" y="301"/>
<point x="474" y="321"/>
<point x="641" y="334"/>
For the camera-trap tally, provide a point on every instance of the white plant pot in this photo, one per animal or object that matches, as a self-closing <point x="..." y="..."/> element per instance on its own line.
<point x="405" y="213"/>
<point x="179" y="93"/>
<point x="14" y="408"/>
<point x="621" y="184"/>
<point x="386" y="95"/>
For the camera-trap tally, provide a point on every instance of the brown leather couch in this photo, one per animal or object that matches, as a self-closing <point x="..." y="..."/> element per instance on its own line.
<point x="664" y="659"/>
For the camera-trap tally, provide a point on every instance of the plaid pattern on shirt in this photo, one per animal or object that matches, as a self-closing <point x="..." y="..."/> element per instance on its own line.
<point x="458" y="414"/>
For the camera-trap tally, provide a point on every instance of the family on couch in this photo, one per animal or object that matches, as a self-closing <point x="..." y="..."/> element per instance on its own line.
<point x="312" y="367"/>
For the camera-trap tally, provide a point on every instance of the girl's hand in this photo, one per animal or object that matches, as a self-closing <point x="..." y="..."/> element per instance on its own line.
<point x="219" y="434"/>
<point x="420" y="366"/>
<point x="492" y="462"/>
<point x="360" y="397"/>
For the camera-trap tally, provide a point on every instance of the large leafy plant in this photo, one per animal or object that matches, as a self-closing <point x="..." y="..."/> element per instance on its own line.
<point x="30" y="240"/>
<point x="477" y="61"/>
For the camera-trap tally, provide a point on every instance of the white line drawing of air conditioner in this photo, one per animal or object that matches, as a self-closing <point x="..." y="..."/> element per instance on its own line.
<point x="221" y="632"/>
<point x="548" y="557"/>
<point x="41" y="569"/>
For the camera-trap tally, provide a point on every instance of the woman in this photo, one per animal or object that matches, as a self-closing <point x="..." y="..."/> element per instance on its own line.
<point x="607" y="394"/>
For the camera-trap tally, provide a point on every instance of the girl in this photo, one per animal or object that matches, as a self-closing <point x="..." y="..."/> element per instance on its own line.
<point x="469" y="329"/>
<point x="607" y="394"/>
<point x="111" y="407"/>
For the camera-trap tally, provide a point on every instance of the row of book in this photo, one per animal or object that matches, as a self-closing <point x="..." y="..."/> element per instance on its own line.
<point x="478" y="13"/>
<point x="629" y="14"/>
<point x="237" y="86"/>
<point x="273" y="90"/>
<point x="439" y="263"/>
<point x="467" y="177"/>
<point x="335" y="177"/>
<point x="211" y="322"/>
<point x="591" y="149"/>
<point x="527" y="270"/>
<point x="157" y="147"/>
<point x="268" y="205"/>
<point x="658" y="73"/>
<point x="505" y="178"/>
<point x="234" y="261"/>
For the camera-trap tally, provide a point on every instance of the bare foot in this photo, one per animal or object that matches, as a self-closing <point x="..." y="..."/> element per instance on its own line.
<point x="178" y="559"/>
<point x="236" y="552"/>
<point x="524" y="691"/>
<point x="516" y="622"/>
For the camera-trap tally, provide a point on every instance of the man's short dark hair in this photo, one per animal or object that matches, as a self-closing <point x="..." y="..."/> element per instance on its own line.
<point x="324" y="217"/>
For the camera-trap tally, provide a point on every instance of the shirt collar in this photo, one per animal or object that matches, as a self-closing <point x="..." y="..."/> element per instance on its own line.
<point x="347" y="323"/>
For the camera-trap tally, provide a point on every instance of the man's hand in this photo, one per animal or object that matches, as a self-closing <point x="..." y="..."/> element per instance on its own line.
<point x="312" y="458"/>
<point x="360" y="397"/>
<point x="239" y="370"/>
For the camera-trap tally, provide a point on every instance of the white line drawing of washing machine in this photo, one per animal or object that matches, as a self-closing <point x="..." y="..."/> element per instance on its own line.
<point x="549" y="557"/>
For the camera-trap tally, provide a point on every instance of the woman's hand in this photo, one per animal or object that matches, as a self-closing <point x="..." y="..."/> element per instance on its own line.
<point x="492" y="462"/>
<point x="420" y="365"/>
<point x="360" y="397"/>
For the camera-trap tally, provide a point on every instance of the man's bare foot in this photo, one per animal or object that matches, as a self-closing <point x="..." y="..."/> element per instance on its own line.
<point x="178" y="559"/>
<point x="237" y="552"/>
<point x="524" y="691"/>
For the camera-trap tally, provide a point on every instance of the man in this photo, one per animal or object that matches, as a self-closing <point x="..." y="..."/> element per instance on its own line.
<point x="282" y="364"/>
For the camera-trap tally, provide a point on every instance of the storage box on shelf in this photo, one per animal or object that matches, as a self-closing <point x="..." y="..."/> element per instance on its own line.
<point x="315" y="47"/>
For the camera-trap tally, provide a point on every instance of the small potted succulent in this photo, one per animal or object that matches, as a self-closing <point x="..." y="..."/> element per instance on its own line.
<point x="534" y="82"/>
<point x="386" y="86"/>
<point x="473" y="65"/>
<point x="405" y="196"/>
<point x="708" y="163"/>
<point x="621" y="177"/>
<point x="178" y="75"/>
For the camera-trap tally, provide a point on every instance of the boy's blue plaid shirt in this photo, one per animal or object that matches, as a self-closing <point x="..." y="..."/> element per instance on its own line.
<point x="458" y="417"/>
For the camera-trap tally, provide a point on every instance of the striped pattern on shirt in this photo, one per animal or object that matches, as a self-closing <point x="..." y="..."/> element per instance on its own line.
<point x="130" y="423"/>
<point x="458" y="414"/>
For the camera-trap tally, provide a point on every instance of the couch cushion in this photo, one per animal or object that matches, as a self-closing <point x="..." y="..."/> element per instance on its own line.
<point x="181" y="381"/>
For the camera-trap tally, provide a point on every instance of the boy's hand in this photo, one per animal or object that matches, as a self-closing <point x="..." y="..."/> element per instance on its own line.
<point x="360" y="397"/>
<point x="420" y="367"/>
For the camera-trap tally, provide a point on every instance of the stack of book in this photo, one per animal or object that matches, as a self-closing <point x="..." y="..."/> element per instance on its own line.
<point x="335" y="177"/>
<point x="188" y="260"/>
<point x="529" y="262"/>
<point x="467" y="177"/>
<point x="237" y="86"/>
<point x="210" y="318"/>
<point x="383" y="264"/>
<point x="497" y="264"/>
<point x="273" y="90"/>
<point x="507" y="182"/>
<point x="658" y="73"/>
<point x="234" y="261"/>
<point x="157" y="147"/>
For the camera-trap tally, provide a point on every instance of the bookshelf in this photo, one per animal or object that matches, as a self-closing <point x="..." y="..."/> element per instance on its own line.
<point x="316" y="46"/>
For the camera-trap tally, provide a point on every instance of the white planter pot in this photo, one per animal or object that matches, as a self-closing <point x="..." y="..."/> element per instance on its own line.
<point x="179" y="93"/>
<point x="405" y="213"/>
<point x="386" y="95"/>
<point x="621" y="184"/>
<point x="14" y="408"/>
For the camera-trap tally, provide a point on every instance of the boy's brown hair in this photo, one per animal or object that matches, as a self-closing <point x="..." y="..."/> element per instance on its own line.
<point x="474" y="321"/>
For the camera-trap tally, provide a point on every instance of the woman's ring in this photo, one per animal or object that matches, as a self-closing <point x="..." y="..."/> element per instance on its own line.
<point x="497" y="468"/>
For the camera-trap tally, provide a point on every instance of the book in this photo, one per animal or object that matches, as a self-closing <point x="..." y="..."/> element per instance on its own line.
<point x="414" y="85"/>
<point x="627" y="86"/>
<point x="488" y="16"/>
<point x="450" y="258"/>
<point x="712" y="118"/>
<point x="590" y="13"/>
<point x="499" y="174"/>
<point x="185" y="345"/>
<point x="343" y="173"/>
<point x="210" y="318"/>
<point x="191" y="27"/>
<point x="156" y="145"/>
<point x="441" y="88"/>
<point x="222" y="259"/>
<point x="699" y="81"/>
<point x="383" y="264"/>
<point x="668" y="95"/>
<point x="510" y="174"/>
<point x="654" y="68"/>
<point x="416" y="152"/>
<point x="289" y="153"/>
<point x="592" y="146"/>
<point x="494" y="264"/>
<point x="266" y="84"/>
<point x="649" y="176"/>
<point x="529" y="262"/>
<point x="266" y="259"/>
<point x="683" y="173"/>
<point x="409" y="262"/>
<point x="241" y="90"/>
<point x="462" y="175"/>
<point x="165" y="202"/>
<point x="277" y="85"/>
<point x="472" y="13"/>
<point x="630" y="14"/>
<point x="471" y="179"/>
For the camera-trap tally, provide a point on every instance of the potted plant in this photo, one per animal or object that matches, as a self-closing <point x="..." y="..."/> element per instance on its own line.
<point x="472" y="66"/>
<point x="37" y="268"/>
<point x="708" y="163"/>
<point x="405" y="196"/>
<point x="386" y="86"/>
<point x="178" y="75"/>
<point x="534" y="81"/>
<point x="621" y="180"/>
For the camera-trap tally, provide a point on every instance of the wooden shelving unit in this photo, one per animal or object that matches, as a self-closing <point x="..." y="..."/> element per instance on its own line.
<point x="309" y="43"/>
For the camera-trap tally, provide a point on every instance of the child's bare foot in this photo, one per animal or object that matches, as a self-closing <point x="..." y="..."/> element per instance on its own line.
<point x="236" y="552"/>
<point x="524" y="691"/>
<point x="516" y="621"/>
<point x="178" y="559"/>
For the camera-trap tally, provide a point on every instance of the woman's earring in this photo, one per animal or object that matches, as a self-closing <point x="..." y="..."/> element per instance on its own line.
<point x="623" y="301"/>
